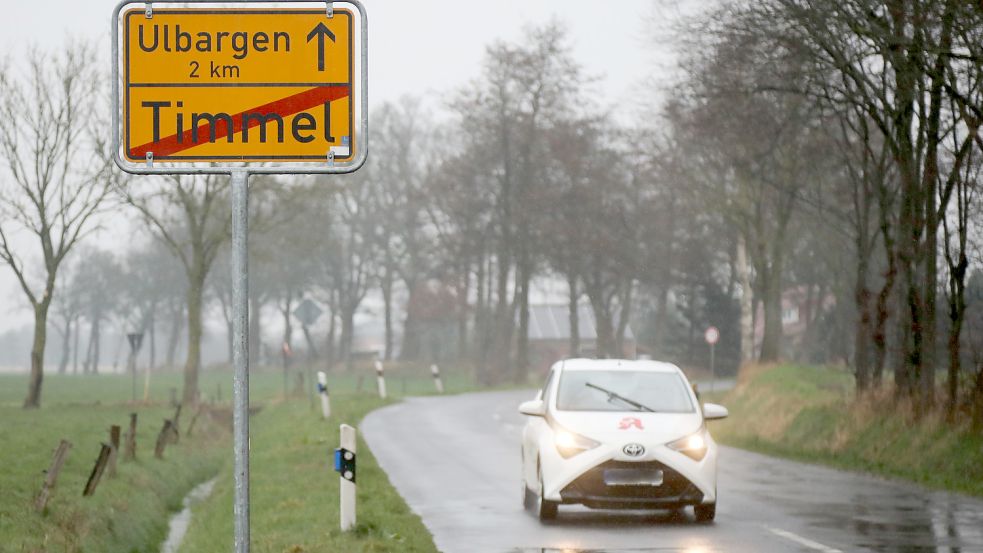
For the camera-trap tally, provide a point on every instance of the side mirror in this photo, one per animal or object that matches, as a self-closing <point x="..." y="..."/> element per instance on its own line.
<point x="533" y="408"/>
<point x="712" y="411"/>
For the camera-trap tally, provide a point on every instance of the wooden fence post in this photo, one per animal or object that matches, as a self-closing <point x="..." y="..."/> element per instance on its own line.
<point x="61" y="452"/>
<point x="175" y="432"/>
<point x="114" y="442"/>
<point x="162" y="438"/>
<point x="193" y="420"/>
<point x="131" y="439"/>
<point x="97" y="470"/>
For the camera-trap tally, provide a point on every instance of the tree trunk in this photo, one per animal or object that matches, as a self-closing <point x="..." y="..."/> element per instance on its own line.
<point x="174" y="336"/>
<point x="624" y="315"/>
<point x="411" y="348"/>
<point x="229" y="335"/>
<point x="75" y="348"/>
<point x="602" y="319"/>
<point x="957" y="307"/>
<point x="978" y="395"/>
<point x="573" y="295"/>
<point x="196" y="287"/>
<point x="524" y="276"/>
<point x="311" y="348"/>
<point x="33" y="399"/>
<point x="880" y="323"/>
<point x="330" y="349"/>
<point x="347" y="335"/>
<point x="255" y="330"/>
<point x="65" y="346"/>
<point x="152" y="330"/>
<point x="387" y="300"/>
<point x="464" y="291"/>
<point x="286" y="347"/>
<point x="87" y="361"/>
<point x="605" y="332"/>
<point x="747" y="296"/>
<point x="771" y="296"/>
<point x="96" y="342"/>
<point x="862" y="339"/>
<point x="501" y="347"/>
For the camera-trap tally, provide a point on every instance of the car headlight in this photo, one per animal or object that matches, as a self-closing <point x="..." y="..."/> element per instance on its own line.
<point x="569" y="443"/>
<point x="693" y="446"/>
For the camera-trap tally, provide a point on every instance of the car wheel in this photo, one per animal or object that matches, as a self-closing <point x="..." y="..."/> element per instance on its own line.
<point x="547" y="509"/>
<point x="705" y="513"/>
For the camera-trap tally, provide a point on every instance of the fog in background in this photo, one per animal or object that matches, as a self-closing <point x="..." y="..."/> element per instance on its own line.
<point x="427" y="49"/>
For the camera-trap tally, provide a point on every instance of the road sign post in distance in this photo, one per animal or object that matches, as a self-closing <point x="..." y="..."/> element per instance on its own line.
<point x="240" y="87"/>
<point x="712" y="335"/>
<point x="275" y="87"/>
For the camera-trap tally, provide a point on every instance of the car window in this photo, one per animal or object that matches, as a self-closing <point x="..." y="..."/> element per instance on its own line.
<point x="662" y="392"/>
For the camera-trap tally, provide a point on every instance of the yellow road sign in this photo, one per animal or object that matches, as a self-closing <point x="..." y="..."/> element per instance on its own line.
<point x="238" y="85"/>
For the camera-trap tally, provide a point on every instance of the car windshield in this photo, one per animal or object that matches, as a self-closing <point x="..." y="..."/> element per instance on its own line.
<point x="662" y="392"/>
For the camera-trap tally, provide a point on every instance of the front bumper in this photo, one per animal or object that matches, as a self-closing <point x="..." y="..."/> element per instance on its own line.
<point x="592" y="490"/>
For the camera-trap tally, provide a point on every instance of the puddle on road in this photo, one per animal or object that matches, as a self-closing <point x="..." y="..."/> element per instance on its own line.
<point x="178" y="526"/>
<point x="905" y="522"/>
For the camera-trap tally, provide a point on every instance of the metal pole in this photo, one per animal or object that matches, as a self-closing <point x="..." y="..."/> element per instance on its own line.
<point x="240" y="357"/>
<point x="713" y="372"/>
<point x="133" y="373"/>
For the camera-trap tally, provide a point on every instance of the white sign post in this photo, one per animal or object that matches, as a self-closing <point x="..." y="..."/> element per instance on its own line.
<point x="322" y="389"/>
<point x="712" y="335"/>
<point x="345" y="465"/>
<point x="380" y="377"/>
<point x="438" y="383"/>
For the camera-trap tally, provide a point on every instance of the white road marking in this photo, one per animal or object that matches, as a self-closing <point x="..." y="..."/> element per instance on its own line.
<point x="802" y="541"/>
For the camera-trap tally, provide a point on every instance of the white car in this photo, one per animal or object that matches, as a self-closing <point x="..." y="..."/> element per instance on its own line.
<point x="616" y="434"/>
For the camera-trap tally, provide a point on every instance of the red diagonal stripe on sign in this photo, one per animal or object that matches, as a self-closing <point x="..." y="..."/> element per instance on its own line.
<point x="290" y="105"/>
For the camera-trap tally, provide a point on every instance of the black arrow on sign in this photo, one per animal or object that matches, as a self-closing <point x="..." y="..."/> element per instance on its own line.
<point x="320" y="32"/>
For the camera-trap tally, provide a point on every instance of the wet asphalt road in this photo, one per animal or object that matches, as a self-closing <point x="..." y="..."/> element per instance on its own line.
<point x="456" y="462"/>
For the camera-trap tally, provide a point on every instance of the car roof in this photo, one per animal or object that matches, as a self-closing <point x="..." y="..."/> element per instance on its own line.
<point x="615" y="365"/>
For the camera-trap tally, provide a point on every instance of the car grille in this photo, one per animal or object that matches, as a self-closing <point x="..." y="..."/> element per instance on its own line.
<point x="590" y="488"/>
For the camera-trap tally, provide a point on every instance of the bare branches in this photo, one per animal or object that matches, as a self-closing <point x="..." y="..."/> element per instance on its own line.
<point x="55" y="179"/>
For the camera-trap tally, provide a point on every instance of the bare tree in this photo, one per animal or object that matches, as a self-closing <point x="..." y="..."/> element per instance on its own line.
<point x="190" y="215"/>
<point x="58" y="175"/>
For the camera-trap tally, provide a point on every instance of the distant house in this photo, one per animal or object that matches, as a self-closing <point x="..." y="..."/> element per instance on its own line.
<point x="549" y="335"/>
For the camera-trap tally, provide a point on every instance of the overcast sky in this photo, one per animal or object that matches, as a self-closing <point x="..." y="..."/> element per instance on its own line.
<point x="423" y="47"/>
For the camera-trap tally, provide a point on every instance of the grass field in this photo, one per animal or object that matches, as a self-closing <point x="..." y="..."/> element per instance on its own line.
<point x="130" y="513"/>
<point x="808" y="413"/>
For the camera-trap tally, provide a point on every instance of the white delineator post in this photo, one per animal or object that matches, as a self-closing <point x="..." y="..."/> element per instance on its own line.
<point x="322" y="390"/>
<point x="439" y="384"/>
<point x="345" y="465"/>
<point x="380" y="378"/>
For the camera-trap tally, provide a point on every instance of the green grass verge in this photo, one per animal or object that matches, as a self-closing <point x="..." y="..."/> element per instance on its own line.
<point x="809" y="413"/>
<point x="294" y="489"/>
<point x="128" y="513"/>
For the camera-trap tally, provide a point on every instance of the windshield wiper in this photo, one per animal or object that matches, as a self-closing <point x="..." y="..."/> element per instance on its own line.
<point x="616" y="395"/>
